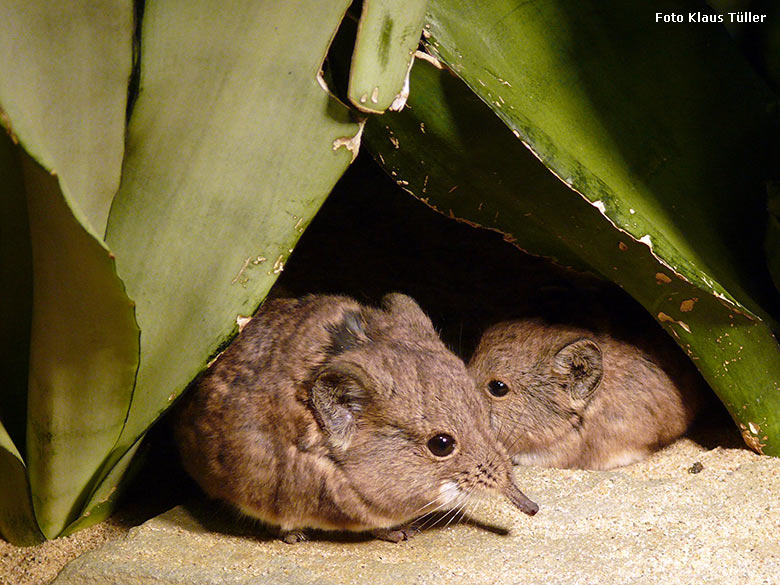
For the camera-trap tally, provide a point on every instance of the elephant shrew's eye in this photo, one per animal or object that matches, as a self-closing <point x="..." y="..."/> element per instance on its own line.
<point x="441" y="444"/>
<point x="497" y="388"/>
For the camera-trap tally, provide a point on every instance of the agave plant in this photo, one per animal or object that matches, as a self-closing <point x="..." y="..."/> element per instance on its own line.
<point x="161" y="160"/>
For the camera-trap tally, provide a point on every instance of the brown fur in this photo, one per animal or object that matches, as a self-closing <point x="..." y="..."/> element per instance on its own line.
<point x="318" y="416"/>
<point x="581" y="399"/>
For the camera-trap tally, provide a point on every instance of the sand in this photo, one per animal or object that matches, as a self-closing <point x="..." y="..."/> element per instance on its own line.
<point x="711" y="497"/>
<point x="38" y="565"/>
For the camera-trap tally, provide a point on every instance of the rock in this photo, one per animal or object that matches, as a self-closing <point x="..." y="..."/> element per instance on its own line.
<point x="652" y="522"/>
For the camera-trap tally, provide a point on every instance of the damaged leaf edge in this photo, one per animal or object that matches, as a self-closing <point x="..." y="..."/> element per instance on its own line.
<point x="506" y="236"/>
<point x="351" y="143"/>
<point x="721" y="295"/>
<point x="399" y="101"/>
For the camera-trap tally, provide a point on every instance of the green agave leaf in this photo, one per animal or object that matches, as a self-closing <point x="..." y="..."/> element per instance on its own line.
<point x="102" y="500"/>
<point x="83" y="355"/>
<point x="450" y="150"/>
<point x="17" y="520"/>
<point x="387" y="37"/>
<point x="664" y="126"/>
<point x="666" y="129"/>
<point x="63" y="86"/>
<point x="63" y="92"/>
<point x="232" y="146"/>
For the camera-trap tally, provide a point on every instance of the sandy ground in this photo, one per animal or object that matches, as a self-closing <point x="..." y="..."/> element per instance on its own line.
<point x="41" y="564"/>
<point x="37" y="565"/>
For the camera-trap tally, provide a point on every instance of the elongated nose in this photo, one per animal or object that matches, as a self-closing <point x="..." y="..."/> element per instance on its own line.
<point x="520" y="500"/>
<point x="503" y="470"/>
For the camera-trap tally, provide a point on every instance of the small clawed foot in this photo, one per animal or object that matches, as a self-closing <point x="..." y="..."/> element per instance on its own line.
<point x="395" y="534"/>
<point x="292" y="536"/>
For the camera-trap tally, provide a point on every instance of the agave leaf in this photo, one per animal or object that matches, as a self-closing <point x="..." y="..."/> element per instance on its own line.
<point x="668" y="131"/>
<point x="63" y="86"/>
<point x="387" y="36"/>
<point x="102" y="500"/>
<point x="17" y="519"/>
<point x="450" y="150"/>
<point x="83" y="354"/>
<point x="83" y="340"/>
<point x="232" y="146"/>
<point x="633" y="120"/>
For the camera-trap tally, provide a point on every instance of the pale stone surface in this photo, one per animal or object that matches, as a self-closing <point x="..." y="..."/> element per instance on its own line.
<point x="652" y="522"/>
